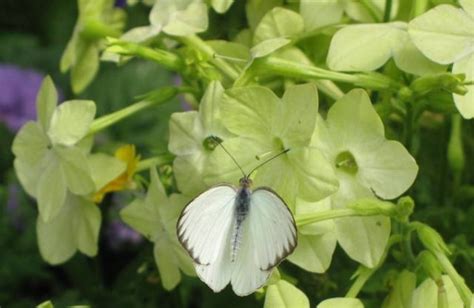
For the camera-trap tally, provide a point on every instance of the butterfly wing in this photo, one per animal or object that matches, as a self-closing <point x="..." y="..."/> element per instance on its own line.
<point x="269" y="236"/>
<point x="204" y="230"/>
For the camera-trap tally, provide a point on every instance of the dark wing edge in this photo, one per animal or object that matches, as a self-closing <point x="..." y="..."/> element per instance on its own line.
<point x="293" y="245"/>
<point x="179" y="232"/>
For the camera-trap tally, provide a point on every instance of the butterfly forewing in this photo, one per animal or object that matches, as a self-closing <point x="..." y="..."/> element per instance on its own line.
<point x="205" y="223"/>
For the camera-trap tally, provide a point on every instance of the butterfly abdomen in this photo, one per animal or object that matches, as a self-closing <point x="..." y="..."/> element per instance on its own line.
<point x="242" y="203"/>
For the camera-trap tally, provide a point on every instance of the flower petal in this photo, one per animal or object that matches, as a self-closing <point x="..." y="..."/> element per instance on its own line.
<point x="298" y="114"/>
<point x="51" y="190"/>
<point x="71" y="121"/>
<point x="465" y="103"/>
<point x="389" y="169"/>
<point x="315" y="175"/>
<point x="76" y="170"/>
<point x="186" y="133"/>
<point x="75" y="227"/>
<point x="30" y="144"/>
<point x="250" y="111"/>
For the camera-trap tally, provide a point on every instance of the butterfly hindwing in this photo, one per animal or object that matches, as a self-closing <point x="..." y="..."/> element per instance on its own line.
<point x="272" y="226"/>
<point x="269" y="236"/>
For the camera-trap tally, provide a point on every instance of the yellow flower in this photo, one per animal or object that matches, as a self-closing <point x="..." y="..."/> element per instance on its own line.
<point x="127" y="154"/>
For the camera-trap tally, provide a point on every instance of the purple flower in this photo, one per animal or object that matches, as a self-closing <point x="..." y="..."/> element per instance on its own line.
<point x="119" y="234"/>
<point x="18" y="89"/>
<point x="120" y="3"/>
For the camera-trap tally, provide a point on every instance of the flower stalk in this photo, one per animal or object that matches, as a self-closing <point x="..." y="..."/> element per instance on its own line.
<point x="153" y="99"/>
<point x="273" y="65"/>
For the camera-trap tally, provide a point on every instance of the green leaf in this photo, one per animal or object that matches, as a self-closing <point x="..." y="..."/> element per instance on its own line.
<point x="425" y="295"/>
<point x="51" y="190"/>
<point x="180" y="18"/>
<point x="104" y="168"/>
<point x="314" y="252"/>
<point x="71" y="121"/>
<point x="341" y="302"/>
<point x="402" y="290"/>
<point x="256" y="9"/>
<point x="364" y="47"/>
<point x="285" y="295"/>
<point x="317" y="14"/>
<point x="76" y="170"/>
<point x="46" y="102"/>
<point x="445" y="34"/>
<point x="464" y="103"/>
<point x="75" y="227"/>
<point x="85" y="68"/>
<point x="221" y="6"/>
<point x="278" y="23"/>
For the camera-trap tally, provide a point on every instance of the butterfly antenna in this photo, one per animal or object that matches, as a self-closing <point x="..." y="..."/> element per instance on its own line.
<point x="219" y="142"/>
<point x="268" y="160"/>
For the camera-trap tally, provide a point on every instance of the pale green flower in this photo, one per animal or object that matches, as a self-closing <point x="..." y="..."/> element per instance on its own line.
<point x="97" y="19"/>
<point x="173" y="17"/>
<point x="191" y="139"/>
<point x="445" y="34"/>
<point x="284" y="294"/>
<point x="317" y="241"/>
<point x="352" y="138"/>
<point x="76" y="225"/>
<point x="51" y="154"/>
<point x="155" y="217"/>
<point x="341" y="302"/>
<point x="267" y="125"/>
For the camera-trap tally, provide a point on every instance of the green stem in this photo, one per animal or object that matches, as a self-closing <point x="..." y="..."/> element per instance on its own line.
<point x="155" y="161"/>
<point x="458" y="281"/>
<point x="306" y="219"/>
<point x="273" y="65"/>
<point x="94" y="29"/>
<point x="163" y="57"/>
<point x="419" y="7"/>
<point x="364" y="273"/>
<point x="387" y="11"/>
<point x="372" y="9"/>
<point x="363" y="276"/>
<point x="197" y="43"/>
<point x="159" y="97"/>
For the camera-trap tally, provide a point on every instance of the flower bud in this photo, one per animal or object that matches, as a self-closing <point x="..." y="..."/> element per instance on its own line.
<point x="431" y="238"/>
<point x="430" y="264"/>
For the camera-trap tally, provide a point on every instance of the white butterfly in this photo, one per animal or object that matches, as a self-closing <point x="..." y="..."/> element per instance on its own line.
<point x="237" y="235"/>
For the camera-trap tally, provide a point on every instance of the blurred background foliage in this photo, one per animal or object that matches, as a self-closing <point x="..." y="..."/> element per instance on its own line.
<point x="33" y="35"/>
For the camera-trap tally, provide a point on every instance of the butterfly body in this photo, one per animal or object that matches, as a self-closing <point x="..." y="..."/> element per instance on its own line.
<point x="237" y="235"/>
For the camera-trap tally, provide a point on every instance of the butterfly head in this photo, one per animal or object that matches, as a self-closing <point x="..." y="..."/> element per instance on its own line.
<point x="245" y="182"/>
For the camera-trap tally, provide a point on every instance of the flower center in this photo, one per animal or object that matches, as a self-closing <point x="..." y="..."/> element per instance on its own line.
<point x="211" y="142"/>
<point x="346" y="162"/>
